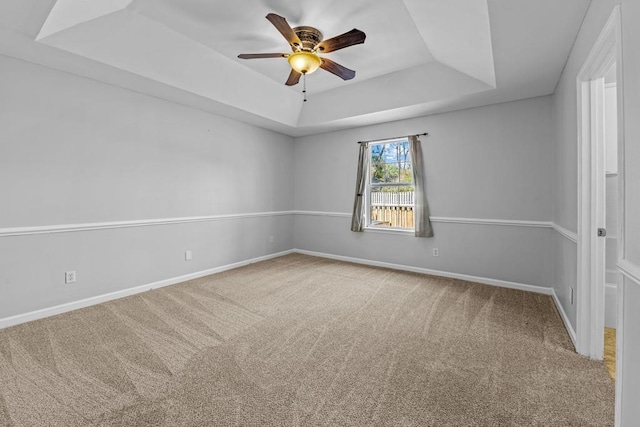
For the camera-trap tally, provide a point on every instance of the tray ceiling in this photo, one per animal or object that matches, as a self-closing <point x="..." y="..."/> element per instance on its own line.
<point x="420" y="56"/>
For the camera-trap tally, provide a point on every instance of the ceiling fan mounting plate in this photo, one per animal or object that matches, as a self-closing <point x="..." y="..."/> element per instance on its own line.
<point x="309" y="36"/>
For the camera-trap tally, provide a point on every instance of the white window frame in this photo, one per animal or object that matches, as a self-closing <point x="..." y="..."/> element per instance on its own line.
<point x="368" y="187"/>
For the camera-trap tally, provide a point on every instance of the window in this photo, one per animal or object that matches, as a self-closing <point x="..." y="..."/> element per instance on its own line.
<point x="389" y="186"/>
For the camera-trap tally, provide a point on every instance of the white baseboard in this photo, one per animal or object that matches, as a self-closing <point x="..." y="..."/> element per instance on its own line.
<point x="494" y="282"/>
<point x="63" y="308"/>
<point x="564" y="317"/>
<point x="483" y="280"/>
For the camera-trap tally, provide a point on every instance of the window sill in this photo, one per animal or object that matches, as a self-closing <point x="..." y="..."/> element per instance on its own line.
<point x="388" y="230"/>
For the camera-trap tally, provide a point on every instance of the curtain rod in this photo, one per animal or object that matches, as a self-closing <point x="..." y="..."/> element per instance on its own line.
<point x="395" y="137"/>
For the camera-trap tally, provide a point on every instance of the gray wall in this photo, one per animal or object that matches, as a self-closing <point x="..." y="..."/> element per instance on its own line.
<point x="483" y="163"/>
<point x="566" y="187"/>
<point x="631" y="353"/>
<point x="75" y="151"/>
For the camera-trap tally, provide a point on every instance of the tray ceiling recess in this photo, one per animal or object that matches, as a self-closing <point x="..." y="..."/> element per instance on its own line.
<point x="420" y="56"/>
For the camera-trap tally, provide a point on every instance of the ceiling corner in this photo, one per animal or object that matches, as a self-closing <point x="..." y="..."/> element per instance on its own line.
<point x="69" y="13"/>
<point x="458" y="35"/>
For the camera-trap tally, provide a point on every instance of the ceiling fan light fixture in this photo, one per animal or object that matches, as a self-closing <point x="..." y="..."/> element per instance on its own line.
<point x="304" y="62"/>
<point x="305" y="43"/>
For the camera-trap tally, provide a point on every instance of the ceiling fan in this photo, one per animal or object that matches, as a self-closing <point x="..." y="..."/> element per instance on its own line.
<point x="306" y="43"/>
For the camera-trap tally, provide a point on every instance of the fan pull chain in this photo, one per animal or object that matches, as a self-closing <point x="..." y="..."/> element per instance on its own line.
<point x="304" y="84"/>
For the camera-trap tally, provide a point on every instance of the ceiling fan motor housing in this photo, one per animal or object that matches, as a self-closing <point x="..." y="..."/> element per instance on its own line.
<point x="307" y="43"/>
<point x="309" y="36"/>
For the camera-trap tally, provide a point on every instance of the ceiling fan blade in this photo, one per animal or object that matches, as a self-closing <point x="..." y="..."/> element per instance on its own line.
<point x="285" y="29"/>
<point x="350" y="38"/>
<point x="341" y="71"/>
<point x="261" y="55"/>
<point x="294" y="78"/>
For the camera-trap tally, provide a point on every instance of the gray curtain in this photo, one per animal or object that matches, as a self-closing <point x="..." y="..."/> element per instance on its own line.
<point x="421" y="209"/>
<point x="357" y="220"/>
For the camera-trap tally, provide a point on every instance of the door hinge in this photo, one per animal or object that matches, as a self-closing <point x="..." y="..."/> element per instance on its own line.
<point x="602" y="232"/>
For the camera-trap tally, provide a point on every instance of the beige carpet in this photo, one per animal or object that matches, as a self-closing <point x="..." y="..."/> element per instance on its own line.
<point x="304" y="341"/>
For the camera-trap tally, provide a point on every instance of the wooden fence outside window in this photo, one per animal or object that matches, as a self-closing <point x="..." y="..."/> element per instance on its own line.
<point x="389" y="209"/>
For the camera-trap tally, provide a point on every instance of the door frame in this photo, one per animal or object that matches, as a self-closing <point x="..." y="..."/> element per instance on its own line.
<point x="606" y="51"/>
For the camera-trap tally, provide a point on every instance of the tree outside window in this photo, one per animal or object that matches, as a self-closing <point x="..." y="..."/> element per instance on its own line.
<point x="390" y="185"/>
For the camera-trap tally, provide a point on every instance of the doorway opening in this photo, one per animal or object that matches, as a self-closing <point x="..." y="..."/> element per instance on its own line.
<point x="601" y="197"/>
<point x="610" y="107"/>
<point x="592" y="212"/>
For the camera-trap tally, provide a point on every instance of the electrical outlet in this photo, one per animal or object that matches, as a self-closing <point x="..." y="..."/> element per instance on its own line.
<point x="272" y="240"/>
<point x="187" y="255"/>
<point x="436" y="252"/>
<point x="571" y="296"/>
<point x="70" y="276"/>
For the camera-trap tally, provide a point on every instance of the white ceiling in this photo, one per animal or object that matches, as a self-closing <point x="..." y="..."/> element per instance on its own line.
<point x="420" y="56"/>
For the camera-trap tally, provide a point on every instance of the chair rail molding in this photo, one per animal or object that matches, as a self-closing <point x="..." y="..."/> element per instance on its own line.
<point x="449" y="220"/>
<point x="630" y="270"/>
<point x="569" y="235"/>
<point x="69" y="228"/>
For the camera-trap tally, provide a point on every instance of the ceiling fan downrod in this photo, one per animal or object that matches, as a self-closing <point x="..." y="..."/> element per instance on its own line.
<point x="304" y="86"/>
